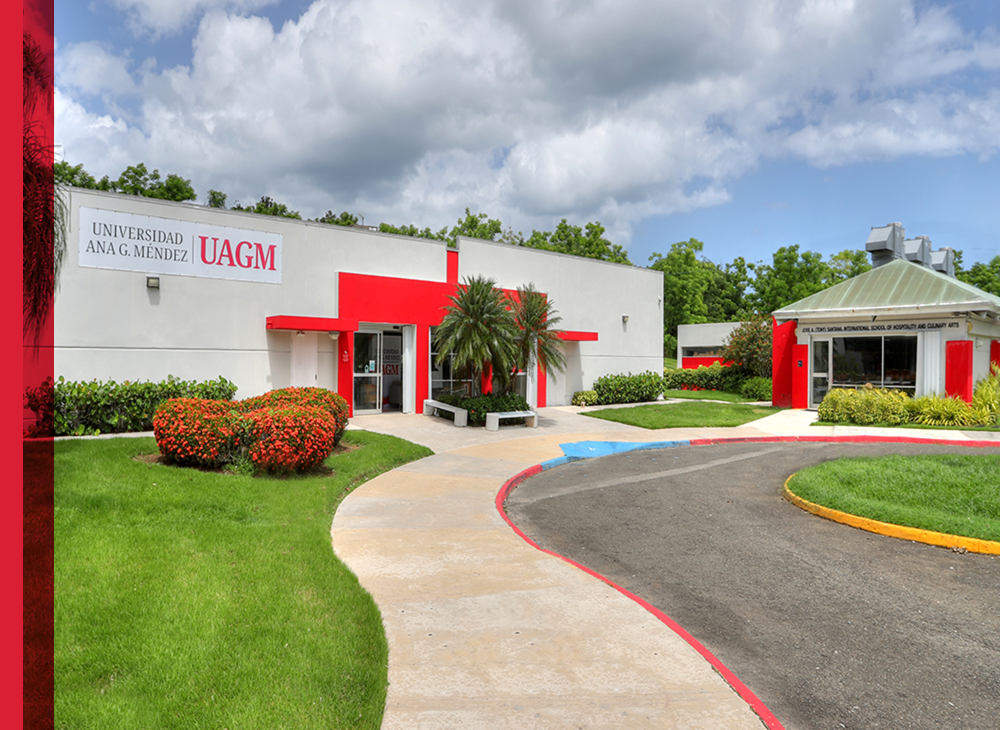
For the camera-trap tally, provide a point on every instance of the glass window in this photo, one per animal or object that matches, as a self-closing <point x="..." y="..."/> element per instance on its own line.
<point x="444" y="379"/>
<point x="885" y="362"/>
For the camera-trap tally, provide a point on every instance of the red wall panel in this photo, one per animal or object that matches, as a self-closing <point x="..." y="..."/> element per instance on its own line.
<point x="781" y="363"/>
<point x="958" y="369"/>
<point x="800" y="376"/>
<point x="693" y="363"/>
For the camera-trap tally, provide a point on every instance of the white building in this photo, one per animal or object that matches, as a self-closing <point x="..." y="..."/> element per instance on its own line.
<point x="153" y="288"/>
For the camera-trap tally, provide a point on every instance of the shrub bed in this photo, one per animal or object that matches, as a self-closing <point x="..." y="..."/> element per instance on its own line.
<point x="478" y="406"/>
<point x="69" y="408"/>
<point x="868" y="405"/>
<point x="756" y="388"/>
<point x="585" y="398"/>
<point x="288" y="430"/>
<point x="706" y="377"/>
<point x="640" y="388"/>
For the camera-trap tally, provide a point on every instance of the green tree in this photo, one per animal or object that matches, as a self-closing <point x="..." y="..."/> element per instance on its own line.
<point x="725" y="295"/>
<point x="73" y="176"/>
<point x="216" y="199"/>
<point x="344" y="219"/>
<point x="478" y="329"/>
<point x="267" y="206"/>
<point x="983" y="276"/>
<point x="588" y="241"/>
<point x="685" y="281"/>
<point x="846" y="265"/>
<point x="475" y="225"/>
<point x="749" y="346"/>
<point x="789" y="278"/>
<point x="535" y="336"/>
<point x="43" y="229"/>
<point x="413" y="231"/>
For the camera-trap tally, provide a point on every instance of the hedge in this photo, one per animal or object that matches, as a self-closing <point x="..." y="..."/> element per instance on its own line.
<point x="69" y="408"/>
<point x="478" y="406"/>
<point x="706" y="377"/>
<point x="641" y="388"/>
<point x="869" y="405"/>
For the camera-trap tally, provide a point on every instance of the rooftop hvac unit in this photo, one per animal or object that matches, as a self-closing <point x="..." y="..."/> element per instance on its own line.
<point x="918" y="250"/>
<point x="885" y="243"/>
<point x="943" y="260"/>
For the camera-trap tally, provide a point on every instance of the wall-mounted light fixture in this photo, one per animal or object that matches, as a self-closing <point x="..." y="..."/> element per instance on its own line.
<point x="152" y="282"/>
<point x="333" y="335"/>
<point x="301" y="333"/>
<point x="624" y="319"/>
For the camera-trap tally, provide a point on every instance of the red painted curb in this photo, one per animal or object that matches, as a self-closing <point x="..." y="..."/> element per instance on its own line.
<point x="859" y="439"/>
<point x="741" y="689"/>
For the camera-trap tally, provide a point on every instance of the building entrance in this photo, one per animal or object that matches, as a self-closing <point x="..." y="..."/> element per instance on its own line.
<point x="378" y="371"/>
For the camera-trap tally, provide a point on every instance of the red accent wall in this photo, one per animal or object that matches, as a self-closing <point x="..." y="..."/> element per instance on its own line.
<point x="397" y="301"/>
<point x="995" y="353"/>
<point x="543" y="387"/>
<point x="800" y="376"/>
<point x="781" y="363"/>
<point x="693" y="363"/>
<point x="452" y="273"/>
<point x="958" y="369"/>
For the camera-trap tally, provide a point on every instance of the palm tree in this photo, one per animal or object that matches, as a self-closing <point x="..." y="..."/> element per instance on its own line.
<point x="478" y="330"/>
<point x="43" y="232"/>
<point x="535" y="338"/>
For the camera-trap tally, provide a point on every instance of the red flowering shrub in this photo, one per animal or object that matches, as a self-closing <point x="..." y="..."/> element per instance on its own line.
<point x="195" y="432"/>
<point x="329" y="401"/>
<point x="293" y="429"/>
<point x="289" y="438"/>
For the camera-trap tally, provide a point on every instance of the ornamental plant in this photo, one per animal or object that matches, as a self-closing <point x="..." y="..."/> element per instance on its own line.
<point x="288" y="438"/>
<point x="194" y="432"/>
<point x="287" y="430"/>
<point x="329" y="401"/>
<point x="640" y="388"/>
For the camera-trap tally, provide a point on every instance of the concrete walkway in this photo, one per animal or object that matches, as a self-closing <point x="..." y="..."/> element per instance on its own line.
<point x="484" y="630"/>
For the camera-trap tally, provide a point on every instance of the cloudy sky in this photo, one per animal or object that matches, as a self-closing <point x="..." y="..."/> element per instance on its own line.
<point x="747" y="125"/>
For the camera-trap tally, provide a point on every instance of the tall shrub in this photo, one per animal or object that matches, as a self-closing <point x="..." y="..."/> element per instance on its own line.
<point x="749" y="346"/>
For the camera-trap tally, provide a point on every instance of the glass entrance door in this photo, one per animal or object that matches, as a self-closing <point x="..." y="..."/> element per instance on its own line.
<point x="820" y="383"/>
<point x="367" y="372"/>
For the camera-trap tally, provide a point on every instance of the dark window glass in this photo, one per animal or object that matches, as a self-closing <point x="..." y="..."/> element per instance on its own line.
<point x="857" y="360"/>
<point x="900" y="362"/>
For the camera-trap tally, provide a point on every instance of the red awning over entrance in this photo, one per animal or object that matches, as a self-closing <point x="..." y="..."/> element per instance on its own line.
<point x="567" y="336"/>
<point x="311" y="324"/>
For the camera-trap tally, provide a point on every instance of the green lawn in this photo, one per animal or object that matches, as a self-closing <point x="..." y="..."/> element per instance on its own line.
<point x="956" y="494"/>
<point x="705" y="395"/>
<point x="685" y="415"/>
<point x="188" y="599"/>
<point x="670" y="363"/>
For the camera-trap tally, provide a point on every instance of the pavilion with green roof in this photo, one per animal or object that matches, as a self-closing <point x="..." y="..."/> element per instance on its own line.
<point x="902" y="325"/>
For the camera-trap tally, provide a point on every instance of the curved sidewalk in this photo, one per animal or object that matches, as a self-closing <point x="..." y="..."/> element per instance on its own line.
<point x="486" y="631"/>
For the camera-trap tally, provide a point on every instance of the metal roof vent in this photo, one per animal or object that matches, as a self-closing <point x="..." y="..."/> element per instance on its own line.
<point x="885" y="243"/>
<point x="943" y="260"/>
<point x="918" y="250"/>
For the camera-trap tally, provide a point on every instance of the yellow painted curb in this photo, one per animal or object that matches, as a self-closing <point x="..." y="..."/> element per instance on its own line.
<point x="928" y="537"/>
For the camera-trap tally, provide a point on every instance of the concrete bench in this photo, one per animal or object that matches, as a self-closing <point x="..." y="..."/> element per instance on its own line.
<point x="431" y="407"/>
<point x="493" y="419"/>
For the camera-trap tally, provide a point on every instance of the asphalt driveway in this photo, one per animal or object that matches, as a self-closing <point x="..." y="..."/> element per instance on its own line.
<point x="830" y="626"/>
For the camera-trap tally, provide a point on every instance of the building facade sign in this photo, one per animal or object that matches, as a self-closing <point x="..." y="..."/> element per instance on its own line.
<point x="881" y="329"/>
<point x="127" y="242"/>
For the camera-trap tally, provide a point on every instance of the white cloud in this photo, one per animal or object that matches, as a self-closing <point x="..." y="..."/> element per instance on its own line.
<point x="157" y="18"/>
<point x="533" y="111"/>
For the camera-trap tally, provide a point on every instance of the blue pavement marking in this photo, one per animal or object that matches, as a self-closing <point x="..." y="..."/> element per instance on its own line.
<point x="594" y="449"/>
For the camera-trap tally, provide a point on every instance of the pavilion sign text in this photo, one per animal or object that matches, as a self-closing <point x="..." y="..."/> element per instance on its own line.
<point x="126" y="242"/>
<point x="840" y="329"/>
